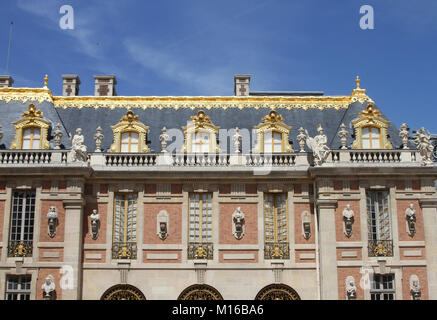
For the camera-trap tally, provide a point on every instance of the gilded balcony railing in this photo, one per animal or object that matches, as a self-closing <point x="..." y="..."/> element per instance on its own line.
<point x="20" y="248"/>
<point x="276" y="250"/>
<point x="202" y="251"/>
<point x="380" y="248"/>
<point x="124" y="250"/>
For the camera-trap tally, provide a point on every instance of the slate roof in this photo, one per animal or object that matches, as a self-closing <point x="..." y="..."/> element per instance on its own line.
<point x="90" y="118"/>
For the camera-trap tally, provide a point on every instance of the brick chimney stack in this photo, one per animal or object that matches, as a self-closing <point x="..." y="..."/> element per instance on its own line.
<point x="70" y="85"/>
<point x="105" y="85"/>
<point x="6" y="81"/>
<point x="241" y="85"/>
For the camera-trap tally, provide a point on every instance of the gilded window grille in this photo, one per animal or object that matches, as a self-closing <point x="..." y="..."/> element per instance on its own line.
<point x="380" y="241"/>
<point x="276" y="240"/>
<point x="200" y="226"/>
<point x="124" y="235"/>
<point x="22" y="224"/>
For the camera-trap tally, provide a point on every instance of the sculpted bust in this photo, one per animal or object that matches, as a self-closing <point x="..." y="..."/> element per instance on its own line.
<point x="351" y="288"/>
<point x="348" y="220"/>
<point x="238" y="222"/>
<point x="410" y="216"/>
<point x="48" y="287"/>
<point x="95" y="223"/>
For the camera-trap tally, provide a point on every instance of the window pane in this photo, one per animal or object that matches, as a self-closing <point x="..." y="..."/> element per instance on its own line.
<point x="134" y="137"/>
<point x="134" y="147"/>
<point x="27" y="133"/>
<point x="26" y="144"/>
<point x="36" y="132"/>
<point x="277" y="148"/>
<point x="35" y="144"/>
<point x="277" y="137"/>
<point x="125" y="137"/>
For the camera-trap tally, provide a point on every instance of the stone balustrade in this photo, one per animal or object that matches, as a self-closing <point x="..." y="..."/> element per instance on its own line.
<point x="166" y="161"/>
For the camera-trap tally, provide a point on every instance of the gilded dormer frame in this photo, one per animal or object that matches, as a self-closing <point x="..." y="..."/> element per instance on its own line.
<point x="32" y="118"/>
<point x="129" y="123"/>
<point x="200" y="123"/>
<point x="371" y="118"/>
<point x="273" y="122"/>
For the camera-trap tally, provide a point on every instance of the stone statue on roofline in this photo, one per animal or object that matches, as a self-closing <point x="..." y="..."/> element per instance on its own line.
<point x="78" y="149"/>
<point x="237" y="140"/>
<point x="424" y="146"/>
<point x="318" y="145"/>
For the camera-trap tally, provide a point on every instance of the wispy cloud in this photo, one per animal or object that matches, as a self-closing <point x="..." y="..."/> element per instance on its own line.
<point x="208" y="80"/>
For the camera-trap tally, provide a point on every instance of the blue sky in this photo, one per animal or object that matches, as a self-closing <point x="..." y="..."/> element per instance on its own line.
<point x="194" y="47"/>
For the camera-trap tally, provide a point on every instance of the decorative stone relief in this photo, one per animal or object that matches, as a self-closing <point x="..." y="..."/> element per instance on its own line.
<point x="404" y="134"/>
<point x="52" y="217"/>
<point x="57" y="136"/>
<point x="318" y="146"/>
<point x="415" y="289"/>
<point x="49" y="287"/>
<point x="351" y="288"/>
<point x="343" y="134"/>
<point x="237" y="138"/>
<point x="164" y="138"/>
<point x="238" y="224"/>
<point x="348" y="220"/>
<point x="95" y="224"/>
<point x="98" y="138"/>
<point x="78" y="149"/>
<point x="306" y="224"/>
<point x="301" y="139"/>
<point x="424" y="146"/>
<point x="162" y="224"/>
<point x="410" y="216"/>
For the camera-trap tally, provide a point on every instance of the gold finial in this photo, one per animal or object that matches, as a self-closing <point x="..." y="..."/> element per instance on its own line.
<point x="46" y="79"/>
<point x="357" y="81"/>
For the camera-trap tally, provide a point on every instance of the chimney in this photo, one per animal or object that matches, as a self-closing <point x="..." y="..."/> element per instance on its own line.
<point x="70" y="85"/>
<point x="6" y="81"/>
<point x="241" y="85"/>
<point x="105" y="85"/>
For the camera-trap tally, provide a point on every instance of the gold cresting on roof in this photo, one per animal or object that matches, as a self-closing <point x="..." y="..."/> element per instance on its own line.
<point x="184" y="102"/>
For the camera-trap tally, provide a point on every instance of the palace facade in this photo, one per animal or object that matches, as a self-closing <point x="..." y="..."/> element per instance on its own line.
<point x="260" y="195"/>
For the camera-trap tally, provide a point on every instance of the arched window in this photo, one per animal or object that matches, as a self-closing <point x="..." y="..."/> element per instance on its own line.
<point x="277" y="291"/>
<point x="31" y="130"/>
<point x="273" y="135"/>
<point x="200" y="134"/>
<point x="129" y="135"/>
<point x="371" y="130"/>
<point x="200" y="292"/>
<point x="123" y="292"/>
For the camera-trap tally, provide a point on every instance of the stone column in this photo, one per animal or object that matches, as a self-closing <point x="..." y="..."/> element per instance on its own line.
<point x="327" y="249"/>
<point x="430" y="226"/>
<point x="73" y="248"/>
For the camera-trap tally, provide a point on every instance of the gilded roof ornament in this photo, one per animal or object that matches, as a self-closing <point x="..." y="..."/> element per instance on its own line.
<point x="359" y="94"/>
<point x="46" y="80"/>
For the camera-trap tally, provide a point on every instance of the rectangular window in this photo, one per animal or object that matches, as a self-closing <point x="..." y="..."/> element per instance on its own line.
<point x="21" y="225"/>
<point x="272" y="142"/>
<point x="129" y="142"/>
<point x="200" y="226"/>
<point x="379" y="224"/>
<point x="201" y="142"/>
<point x="383" y="287"/>
<point x="370" y="138"/>
<point x="124" y="243"/>
<point x="31" y="138"/>
<point x="276" y="226"/>
<point x="18" y="287"/>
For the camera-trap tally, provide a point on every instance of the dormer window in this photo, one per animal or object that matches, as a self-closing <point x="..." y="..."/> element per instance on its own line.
<point x="273" y="134"/>
<point x="200" y="134"/>
<point x="371" y="130"/>
<point x="370" y="138"/>
<point x="273" y="142"/>
<point x="129" y="135"/>
<point x="31" y="130"/>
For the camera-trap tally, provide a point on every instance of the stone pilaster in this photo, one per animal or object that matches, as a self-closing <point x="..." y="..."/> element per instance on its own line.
<point x="430" y="226"/>
<point x="327" y="249"/>
<point x="73" y="248"/>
